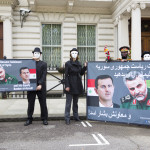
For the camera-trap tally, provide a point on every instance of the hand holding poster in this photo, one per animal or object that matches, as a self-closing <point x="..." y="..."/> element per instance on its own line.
<point x="119" y="91"/>
<point x="17" y="75"/>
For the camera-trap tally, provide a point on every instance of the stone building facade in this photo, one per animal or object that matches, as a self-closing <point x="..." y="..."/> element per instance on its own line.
<point x="57" y="26"/>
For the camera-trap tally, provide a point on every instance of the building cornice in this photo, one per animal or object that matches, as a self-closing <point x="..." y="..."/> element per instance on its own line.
<point x="115" y="6"/>
<point x="136" y="5"/>
<point x="70" y="5"/>
<point x="125" y="6"/>
<point x="77" y="10"/>
<point x="120" y="7"/>
<point x="3" y="18"/>
<point x="12" y="3"/>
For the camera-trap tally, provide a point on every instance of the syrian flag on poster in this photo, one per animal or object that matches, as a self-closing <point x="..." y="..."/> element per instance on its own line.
<point x="32" y="73"/>
<point x="90" y="88"/>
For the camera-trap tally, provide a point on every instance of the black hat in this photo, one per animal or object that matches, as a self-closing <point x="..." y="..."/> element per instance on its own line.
<point x="74" y="49"/>
<point x="37" y="50"/>
<point x="124" y="48"/>
<point x="146" y="52"/>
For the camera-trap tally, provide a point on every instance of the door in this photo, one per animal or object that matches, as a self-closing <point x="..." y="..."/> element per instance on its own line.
<point x="1" y="40"/>
<point x="145" y="42"/>
<point x="145" y="34"/>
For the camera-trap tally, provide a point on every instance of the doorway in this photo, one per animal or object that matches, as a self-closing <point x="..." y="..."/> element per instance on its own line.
<point x="1" y="40"/>
<point x="145" y="34"/>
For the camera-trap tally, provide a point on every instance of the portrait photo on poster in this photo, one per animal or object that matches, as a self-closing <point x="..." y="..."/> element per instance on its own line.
<point x="17" y="75"/>
<point x="119" y="87"/>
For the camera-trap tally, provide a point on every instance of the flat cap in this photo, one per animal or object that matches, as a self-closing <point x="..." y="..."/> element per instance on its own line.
<point x="124" y="48"/>
<point x="146" y="52"/>
<point x="74" y="49"/>
<point x="37" y="50"/>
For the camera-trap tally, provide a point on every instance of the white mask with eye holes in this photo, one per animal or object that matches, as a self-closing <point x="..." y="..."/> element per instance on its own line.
<point x="74" y="54"/>
<point x="36" y="54"/>
<point x="146" y="57"/>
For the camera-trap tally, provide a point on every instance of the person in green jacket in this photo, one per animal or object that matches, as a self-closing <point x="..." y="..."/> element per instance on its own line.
<point x="139" y="97"/>
<point x="6" y="78"/>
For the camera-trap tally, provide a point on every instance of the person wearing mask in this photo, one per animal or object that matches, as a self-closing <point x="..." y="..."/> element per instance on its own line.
<point x="124" y="53"/>
<point x="146" y="56"/>
<point x="41" y="71"/>
<point x="73" y="84"/>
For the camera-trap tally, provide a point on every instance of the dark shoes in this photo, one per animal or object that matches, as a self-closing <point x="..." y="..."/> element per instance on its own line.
<point x="28" y="122"/>
<point x="67" y="122"/>
<point x="45" y="122"/>
<point x="77" y="119"/>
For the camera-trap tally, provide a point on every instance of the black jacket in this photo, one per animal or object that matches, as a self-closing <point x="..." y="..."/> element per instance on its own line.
<point x="73" y="72"/>
<point x="41" y="71"/>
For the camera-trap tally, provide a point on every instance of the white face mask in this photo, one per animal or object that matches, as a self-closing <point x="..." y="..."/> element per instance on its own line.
<point x="36" y="54"/>
<point x="146" y="57"/>
<point x="74" y="54"/>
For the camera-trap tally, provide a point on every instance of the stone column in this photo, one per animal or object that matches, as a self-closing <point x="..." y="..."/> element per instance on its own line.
<point x="116" y="54"/>
<point x="7" y="36"/>
<point x="136" y="30"/>
<point x="123" y="32"/>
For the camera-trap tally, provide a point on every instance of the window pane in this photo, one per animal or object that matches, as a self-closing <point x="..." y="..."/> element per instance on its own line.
<point x="46" y="34"/>
<point x="86" y="54"/>
<point x="86" y="40"/>
<point x="91" y="53"/>
<point x="56" y="34"/>
<point x="51" y="45"/>
<point x="91" y="35"/>
<point x="52" y="56"/>
<point x="81" y="34"/>
<point x="56" y="57"/>
<point x="46" y="55"/>
<point x="82" y="54"/>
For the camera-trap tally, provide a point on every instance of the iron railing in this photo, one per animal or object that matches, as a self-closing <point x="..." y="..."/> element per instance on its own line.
<point x="23" y="94"/>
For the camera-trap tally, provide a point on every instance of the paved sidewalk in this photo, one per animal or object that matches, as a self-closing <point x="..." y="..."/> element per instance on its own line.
<point x="16" y="109"/>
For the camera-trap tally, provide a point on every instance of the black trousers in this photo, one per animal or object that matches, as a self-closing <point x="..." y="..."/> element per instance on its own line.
<point x="31" y="103"/>
<point x="69" y="98"/>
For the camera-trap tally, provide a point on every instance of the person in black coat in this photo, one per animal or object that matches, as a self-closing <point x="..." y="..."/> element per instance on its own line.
<point x="73" y="84"/>
<point x="41" y="71"/>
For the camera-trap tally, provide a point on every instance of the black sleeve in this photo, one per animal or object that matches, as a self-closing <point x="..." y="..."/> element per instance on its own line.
<point x="66" y="75"/>
<point x="83" y="70"/>
<point x="43" y="73"/>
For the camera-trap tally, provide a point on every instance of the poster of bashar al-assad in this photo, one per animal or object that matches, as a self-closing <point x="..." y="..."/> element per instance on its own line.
<point x="119" y="91"/>
<point x="17" y="75"/>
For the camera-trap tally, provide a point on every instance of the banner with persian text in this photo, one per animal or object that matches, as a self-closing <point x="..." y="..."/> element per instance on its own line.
<point x="17" y="75"/>
<point x="119" y="91"/>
